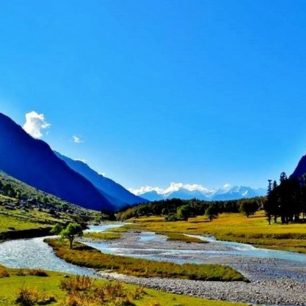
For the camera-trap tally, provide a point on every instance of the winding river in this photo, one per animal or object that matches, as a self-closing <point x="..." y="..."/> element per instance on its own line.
<point x="255" y="263"/>
<point x="277" y="277"/>
<point x="35" y="254"/>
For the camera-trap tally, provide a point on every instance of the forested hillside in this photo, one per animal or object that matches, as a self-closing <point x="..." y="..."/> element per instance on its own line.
<point x="25" y="203"/>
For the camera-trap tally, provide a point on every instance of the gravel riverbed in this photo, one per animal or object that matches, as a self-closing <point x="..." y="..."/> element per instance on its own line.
<point x="274" y="280"/>
<point x="269" y="292"/>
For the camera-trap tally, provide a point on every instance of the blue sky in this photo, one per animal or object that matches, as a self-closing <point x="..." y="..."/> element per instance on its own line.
<point x="208" y="92"/>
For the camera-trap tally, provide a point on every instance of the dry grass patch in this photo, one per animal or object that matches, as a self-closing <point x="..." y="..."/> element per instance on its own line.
<point x="83" y="291"/>
<point x="102" y="235"/>
<point x="111" y="234"/>
<point x="182" y="237"/>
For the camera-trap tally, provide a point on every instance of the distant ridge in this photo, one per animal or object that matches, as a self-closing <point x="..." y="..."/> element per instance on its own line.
<point x="222" y="194"/>
<point x="33" y="162"/>
<point x="114" y="192"/>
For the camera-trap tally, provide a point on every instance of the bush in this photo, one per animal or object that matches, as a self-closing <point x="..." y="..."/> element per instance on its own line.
<point x="27" y="297"/>
<point x="82" y="291"/>
<point x="3" y="273"/>
<point x="21" y="272"/>
<point x="31" y="296"/>
<point x="77" y="283"/>
<point x="38" y="272"/>
<point x="183" y="212"/>
<point x="212" y="212"/>
<point x="171" y="217"/>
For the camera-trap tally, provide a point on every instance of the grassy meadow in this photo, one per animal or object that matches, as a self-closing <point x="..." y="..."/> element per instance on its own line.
<point x="233" y="227"/>
<point x="14" y="223"/>
<point x="86" y="256"/>
<point x="173" y="236"/>
<point x="57" y="289"/>
<point x="111" y="234"/>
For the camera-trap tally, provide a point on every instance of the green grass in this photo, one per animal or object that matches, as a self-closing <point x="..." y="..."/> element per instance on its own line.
<point x="234" y="227"/>
<point x="86" y="256"/>
<point x="10" y="222"/>
<point x="50" y="286"/>
<point x="102" y="235"/>
<point x="24" y="207"/>
<point x="111" y="234"/>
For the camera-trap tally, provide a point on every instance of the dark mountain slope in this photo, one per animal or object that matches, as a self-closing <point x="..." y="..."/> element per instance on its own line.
<point x="300" y="169"/>
<point x="33" y="162"/>
<point x="115" y="193"/>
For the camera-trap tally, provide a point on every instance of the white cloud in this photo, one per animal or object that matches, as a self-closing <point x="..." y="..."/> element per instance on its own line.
<point x="226" y="187"/>
<point x="171" y="188"/>
<point x="144" y="189"/>
<point x="35" y="124"/>
<point x="77" y="139"/>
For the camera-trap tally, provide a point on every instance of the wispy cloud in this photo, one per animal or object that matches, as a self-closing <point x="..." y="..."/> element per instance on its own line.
<point x="77" y="139"/>
<point x="35" y="123"/>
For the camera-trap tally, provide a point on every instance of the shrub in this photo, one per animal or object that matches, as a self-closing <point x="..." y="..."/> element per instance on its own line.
<point x="38" y="272"/>
<point x="212" y="212"/>
<point x="31" y="296"/>
<point x="172" y="217"/>
<point x="27" y="297"/>
<point x="183" y="212"/>
<point x="21" y="272"/>
<point x="3" y="273"/>
<point x="77" y="283"/>
<point x="82" y="291"/>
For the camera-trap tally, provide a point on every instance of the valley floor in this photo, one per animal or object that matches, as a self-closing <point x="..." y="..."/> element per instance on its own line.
<point x="273" y="278"/>
<point x="254" y="230"/>
<point x="272" y="281"/>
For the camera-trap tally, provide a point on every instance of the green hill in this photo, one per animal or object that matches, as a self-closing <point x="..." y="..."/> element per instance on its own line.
<point x="23" y="207"/>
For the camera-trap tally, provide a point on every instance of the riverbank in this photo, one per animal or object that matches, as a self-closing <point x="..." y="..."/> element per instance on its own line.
<point x="274" y="280"/>
<point x="26" y="233"/>
<point x="87" y="256"/>
<point x="50" y="289"/>
<point x="236" y="227"/>
<point x="278" y="292"/>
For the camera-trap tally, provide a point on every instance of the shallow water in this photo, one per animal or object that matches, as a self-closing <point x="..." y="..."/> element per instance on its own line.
<point x="152" y="246"/>
<point x="34" y="253"/>
<point x="243" y="249"/>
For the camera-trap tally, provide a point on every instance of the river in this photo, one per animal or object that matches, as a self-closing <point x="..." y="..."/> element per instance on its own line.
<point x="33" y="253"/>
<point x="277" y="277"/>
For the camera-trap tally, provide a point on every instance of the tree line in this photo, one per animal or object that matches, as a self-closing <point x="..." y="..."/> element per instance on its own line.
<point x="177" y="209"/>
<point x="286" y="200"/>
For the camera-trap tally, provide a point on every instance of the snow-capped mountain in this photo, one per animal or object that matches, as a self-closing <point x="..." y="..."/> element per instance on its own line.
<point x="191" y="191"/>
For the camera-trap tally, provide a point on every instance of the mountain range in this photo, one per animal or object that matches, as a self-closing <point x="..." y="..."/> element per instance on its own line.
<point x="32" y="161"/>
<point x="113" y="191"/>
<point x="191" y="191"/>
